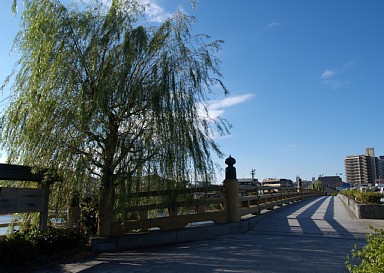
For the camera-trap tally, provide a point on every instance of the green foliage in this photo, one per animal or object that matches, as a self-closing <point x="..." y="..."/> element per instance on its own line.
<point x="318" y="185"/>
<point x="368" y="197"/>
<point x="88" y="221"/>
<point x="363" y="197"/>
<point x="22" y="247"/>
<point x="104" y="100"/>
<point x="370" y="258"/>
<point x="14" y="7"/>
<point x="348" y="193"/>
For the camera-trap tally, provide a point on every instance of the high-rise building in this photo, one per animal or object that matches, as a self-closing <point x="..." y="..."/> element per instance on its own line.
<point x="361" y="169"/>
<point x="380" y="167"/>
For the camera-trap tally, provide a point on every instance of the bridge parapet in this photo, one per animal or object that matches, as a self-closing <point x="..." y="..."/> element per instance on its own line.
<point x="225" y="205"/>
<point x="175" y="209"/>
<point x="20" y="200"/>
<point x="165" y="210"/>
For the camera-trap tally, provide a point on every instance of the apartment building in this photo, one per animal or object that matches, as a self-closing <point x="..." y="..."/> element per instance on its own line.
<point x="380" y="167"/>
<point x="361" y="169"/>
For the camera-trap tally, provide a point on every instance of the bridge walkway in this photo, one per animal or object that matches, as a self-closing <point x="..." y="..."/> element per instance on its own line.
<point x="311" y="236"/>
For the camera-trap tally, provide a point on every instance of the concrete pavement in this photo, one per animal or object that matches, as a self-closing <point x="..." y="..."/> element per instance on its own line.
<point x="310" y="236"/>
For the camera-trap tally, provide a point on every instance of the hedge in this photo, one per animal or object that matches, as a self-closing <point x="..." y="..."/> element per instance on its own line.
<point x="363" y="197"/>
<point x="21" y="247"/>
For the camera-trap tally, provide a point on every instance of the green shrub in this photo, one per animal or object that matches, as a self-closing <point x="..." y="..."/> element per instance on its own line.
<point x="368" y="197"/>
<point x="15" y="250"/>
<point x="370" y="258"/>
<point x="23" y="246"/>
<point x="88" y="221"/>
<point x="363" y="197"/>
<point x="348" y="193"/>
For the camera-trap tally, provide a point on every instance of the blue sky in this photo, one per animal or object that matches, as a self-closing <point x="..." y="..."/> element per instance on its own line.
<point x="306" y="79"/>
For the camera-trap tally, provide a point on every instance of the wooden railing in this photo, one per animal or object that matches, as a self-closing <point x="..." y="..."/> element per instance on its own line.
<point x="54" y="219"/>
<point x="267" y="198"/>
<point x="175" y="209"/>
<point x="6" y="224"/>
<point x="165" y="210"/>
<point x="20" y="200"/>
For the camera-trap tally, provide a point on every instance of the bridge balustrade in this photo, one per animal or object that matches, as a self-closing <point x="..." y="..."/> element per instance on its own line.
<point x="202" y="205"/>
<point x="24" y="200"/>
<point x="173" y="209"/>
<point x="165" y="209"/>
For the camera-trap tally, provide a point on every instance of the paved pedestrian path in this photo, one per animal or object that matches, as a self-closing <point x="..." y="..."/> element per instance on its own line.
<point x="310" y="236"/>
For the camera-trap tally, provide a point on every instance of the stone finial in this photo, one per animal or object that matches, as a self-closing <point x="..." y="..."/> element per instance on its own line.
<point x="230" y="171"/>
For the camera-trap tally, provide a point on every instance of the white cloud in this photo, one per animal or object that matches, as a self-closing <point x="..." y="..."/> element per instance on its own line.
<point x="335" y="77"/>
<point x="273" y="24"/>
<point x="154" y="12"/>
<point x="216" y="107"/>
<point x="336" y="83"/>
<point x="328" y="74"/>
<point x="348" y="65"/>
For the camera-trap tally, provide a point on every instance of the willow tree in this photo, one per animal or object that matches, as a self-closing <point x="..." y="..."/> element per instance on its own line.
<point x="98" y="93"/>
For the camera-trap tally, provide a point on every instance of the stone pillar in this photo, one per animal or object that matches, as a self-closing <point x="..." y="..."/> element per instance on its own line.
<point x="299" y="185"/>
<point x="231" y="187"/>
<point x="73" y="217"/>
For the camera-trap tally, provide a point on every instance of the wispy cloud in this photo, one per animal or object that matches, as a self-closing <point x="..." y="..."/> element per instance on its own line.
<point x="155" y="12"/>
<point x="273" y="24"/>
<point x="335" y="77"/>
<point x="216" y="108"/>
<point x="327" y="74"/>
<point x="291" y="146"/>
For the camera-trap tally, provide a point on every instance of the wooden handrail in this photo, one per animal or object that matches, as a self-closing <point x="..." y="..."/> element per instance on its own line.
<point x="195" y="210"/>
<point x="18" y="173"/>
<point x="194" y="204"/>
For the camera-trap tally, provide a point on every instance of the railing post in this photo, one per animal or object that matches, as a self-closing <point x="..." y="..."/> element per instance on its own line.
<point x="300" y="188"/>
<point x="231" y="186"/>
<point x="299" y="185"/>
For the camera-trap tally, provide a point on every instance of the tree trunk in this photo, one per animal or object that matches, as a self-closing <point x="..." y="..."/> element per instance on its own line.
<point x="105" y="213"/>
<point x="106" y="203"/>
<point x="107" y="192"/>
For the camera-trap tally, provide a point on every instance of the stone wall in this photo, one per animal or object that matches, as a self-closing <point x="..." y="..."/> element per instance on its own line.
<point x="363" y="211"/>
